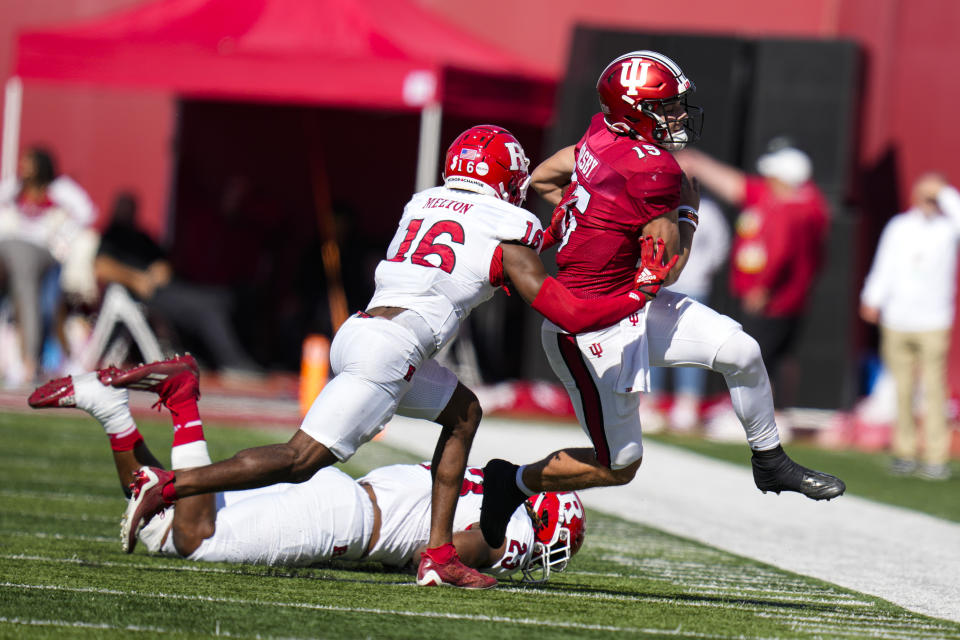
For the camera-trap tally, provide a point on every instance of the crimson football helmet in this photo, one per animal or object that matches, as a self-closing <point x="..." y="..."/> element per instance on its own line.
<point x="559" y="524"/>
<point x="643" y="94"/>
<point x="488" y="159"/>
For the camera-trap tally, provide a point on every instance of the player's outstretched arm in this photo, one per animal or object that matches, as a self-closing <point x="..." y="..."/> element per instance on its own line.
<point x="553" y="174"/>
<point x="545" y="294"/>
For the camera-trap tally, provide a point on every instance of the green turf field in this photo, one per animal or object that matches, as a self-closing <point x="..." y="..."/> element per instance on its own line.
<point x="62" y="573"/>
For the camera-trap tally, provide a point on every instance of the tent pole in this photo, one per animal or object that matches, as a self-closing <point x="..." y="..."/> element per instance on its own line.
<point x="429" y="150"/>
<point x="12" y="104"/>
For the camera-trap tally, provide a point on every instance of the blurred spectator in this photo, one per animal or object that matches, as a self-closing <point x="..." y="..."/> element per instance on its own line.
<point x="778" y="245"/>
<point x="130" y="257"/>
<point x="711" y="246"/>
<point x="41" y="215"/>
<point x="910" y="292"/>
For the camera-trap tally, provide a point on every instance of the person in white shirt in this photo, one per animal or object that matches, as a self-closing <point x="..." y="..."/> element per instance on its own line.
<point x="909" y="292"/>
<point x="41" y="215"/>
<point x="710" y="250"/>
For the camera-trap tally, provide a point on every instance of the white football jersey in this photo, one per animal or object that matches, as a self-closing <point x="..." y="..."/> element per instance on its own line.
<point x="403" y="495"/>
<point x="438" y="263"/>
<point x="328" y="516"/>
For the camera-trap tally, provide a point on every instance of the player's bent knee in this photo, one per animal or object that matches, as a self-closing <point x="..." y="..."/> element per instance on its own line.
<point x="463" y="411"/>
<point x="306" y="457"/>
<point x="474" y="412"/>
<point x="624" y="475"/>
<point x="186" y="540"/>
<point x="740" y="353"/>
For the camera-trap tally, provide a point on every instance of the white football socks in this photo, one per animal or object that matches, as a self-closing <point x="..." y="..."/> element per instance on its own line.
<point x="105" y="403"/>
<point x="191" y="454"/>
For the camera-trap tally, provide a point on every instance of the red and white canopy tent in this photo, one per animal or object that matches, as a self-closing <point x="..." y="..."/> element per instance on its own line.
<point x="379" y="54"/>
<point x="369" y="54"/>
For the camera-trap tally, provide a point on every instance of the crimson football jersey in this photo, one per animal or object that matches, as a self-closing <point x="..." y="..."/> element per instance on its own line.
<point x="622" y="184"/>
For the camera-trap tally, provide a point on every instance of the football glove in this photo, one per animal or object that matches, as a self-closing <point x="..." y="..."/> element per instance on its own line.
<point x="558" y="223"/>
<point x="653" y="271"/>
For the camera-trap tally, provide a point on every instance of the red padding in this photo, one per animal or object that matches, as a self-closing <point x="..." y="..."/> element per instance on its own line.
<point x="577" y="315"/>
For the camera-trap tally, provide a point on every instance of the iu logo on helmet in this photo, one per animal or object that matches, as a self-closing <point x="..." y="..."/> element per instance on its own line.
<point x="633" y="75"/>
<point x="596" y="349"/>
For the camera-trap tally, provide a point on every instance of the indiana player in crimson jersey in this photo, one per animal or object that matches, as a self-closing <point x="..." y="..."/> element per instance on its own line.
<point x="455" y="245"/>
<point x="618" y="184"/>
<point x="382" y="517"/>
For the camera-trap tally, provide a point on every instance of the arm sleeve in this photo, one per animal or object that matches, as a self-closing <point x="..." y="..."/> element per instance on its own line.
<point x="577" y="315"/>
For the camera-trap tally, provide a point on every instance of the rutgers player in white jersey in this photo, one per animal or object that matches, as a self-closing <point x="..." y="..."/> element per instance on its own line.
<point x="455" y="246"/>
<point x="618" y="184"/>
<point x="382" y="517"/>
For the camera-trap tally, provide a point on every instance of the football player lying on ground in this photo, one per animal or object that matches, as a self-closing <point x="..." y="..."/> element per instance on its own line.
<point x="455" y="245"/>
<point x="383" y="517"/>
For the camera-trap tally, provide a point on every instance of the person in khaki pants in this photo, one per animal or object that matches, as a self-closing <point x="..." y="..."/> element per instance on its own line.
<point x="910" y="293"/>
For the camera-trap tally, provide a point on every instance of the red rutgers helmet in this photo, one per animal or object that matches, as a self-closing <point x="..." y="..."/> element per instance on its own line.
<point x="559" y="524"/>
<point x="488" y="159"/>
<point x="644" y="94"/>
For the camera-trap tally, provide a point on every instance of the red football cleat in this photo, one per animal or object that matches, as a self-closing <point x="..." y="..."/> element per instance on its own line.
<point x="171" y="379"/>
<point x="54" y="394"/>
<point x="147" y="501"/>
<point x="436" y="573"/>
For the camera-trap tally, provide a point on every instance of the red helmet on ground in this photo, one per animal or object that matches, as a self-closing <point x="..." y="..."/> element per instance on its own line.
<point x="488" y="159"/>
<point x="644" y="94"/>
<point x="559" y="525"/>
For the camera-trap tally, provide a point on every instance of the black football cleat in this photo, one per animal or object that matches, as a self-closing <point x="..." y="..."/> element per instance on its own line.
<point x="501" y="497"/>
<point x="773" y="470"/>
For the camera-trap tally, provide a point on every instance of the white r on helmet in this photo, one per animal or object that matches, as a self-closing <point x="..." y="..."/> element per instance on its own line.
<point x="559" y="524"/>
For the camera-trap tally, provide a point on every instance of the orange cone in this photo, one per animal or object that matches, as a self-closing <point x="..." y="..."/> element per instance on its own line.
<point x="314" y="369"/>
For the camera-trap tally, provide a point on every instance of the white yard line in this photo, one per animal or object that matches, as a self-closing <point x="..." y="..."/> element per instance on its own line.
<point x="51" y="495"/>
<point x="557" y="624"/>
<point x="906" y="557"/>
